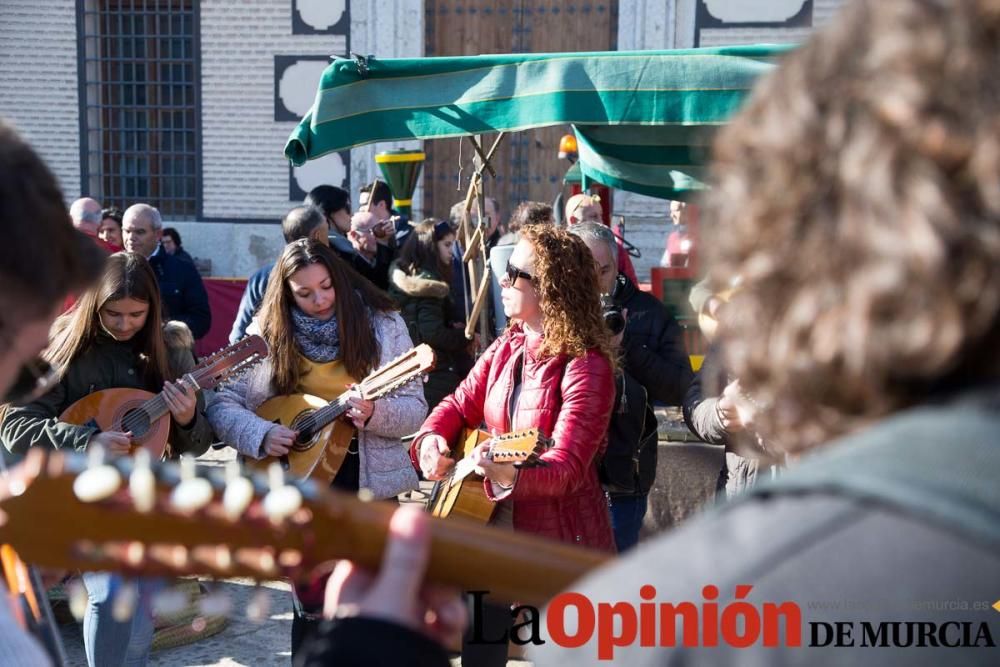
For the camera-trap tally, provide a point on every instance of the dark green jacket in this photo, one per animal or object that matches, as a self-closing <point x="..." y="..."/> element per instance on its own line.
<point x="108" y="364"/>
<point x="425" y="304"/>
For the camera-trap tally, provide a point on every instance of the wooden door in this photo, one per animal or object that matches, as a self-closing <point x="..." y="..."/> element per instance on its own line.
<point x="527" y="164"/>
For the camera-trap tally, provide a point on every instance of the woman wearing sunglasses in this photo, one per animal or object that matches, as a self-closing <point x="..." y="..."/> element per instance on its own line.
<point x="551" y="369"/>
<point x="420" y="283"/>
<point x="111" y="338"/>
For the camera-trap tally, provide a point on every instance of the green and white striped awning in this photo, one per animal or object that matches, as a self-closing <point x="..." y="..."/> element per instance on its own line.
<point x="643" y="119"/>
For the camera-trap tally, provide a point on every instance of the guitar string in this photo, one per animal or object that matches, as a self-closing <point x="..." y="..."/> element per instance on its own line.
<point x="326" y="414"/>
<point x="156" y="407"/>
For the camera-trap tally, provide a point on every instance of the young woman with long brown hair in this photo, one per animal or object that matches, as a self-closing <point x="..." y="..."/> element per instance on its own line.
<point x="552" y="369"/>
<point x="327" y="328"/>
<point x="111" y="338"/>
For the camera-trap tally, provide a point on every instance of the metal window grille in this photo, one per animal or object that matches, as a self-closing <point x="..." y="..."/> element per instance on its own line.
<point x="140" y="106"/>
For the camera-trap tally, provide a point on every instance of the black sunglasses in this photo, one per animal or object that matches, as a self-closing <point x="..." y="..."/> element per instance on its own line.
<point x="513" y="273"/>
<point x="35" y="378"/>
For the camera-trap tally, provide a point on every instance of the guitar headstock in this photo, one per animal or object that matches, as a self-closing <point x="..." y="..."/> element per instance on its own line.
<point x="401" y="370"/>
<point x="143" y="517"/>
<point x="228" y="362"/>
<point x="521" y="448"/>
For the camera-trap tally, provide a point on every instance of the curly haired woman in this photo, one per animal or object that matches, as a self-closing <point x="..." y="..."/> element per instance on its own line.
<point x="552" y="369"/>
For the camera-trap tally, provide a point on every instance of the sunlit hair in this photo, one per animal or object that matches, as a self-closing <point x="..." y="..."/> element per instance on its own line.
<point x="530" y="213"/>
<point x="566" y="281"/>
<point x="356" y="298"/>
<point x="858" y="196"/>
<point x="420" y="251"/>
<point x="126" y="276"/>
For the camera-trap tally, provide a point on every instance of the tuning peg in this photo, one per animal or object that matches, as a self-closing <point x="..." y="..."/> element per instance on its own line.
<point x="216" y="603"/>
<point x="193" y="492"/>
<point x="262" y="561"/>
<point x="259" y="606"/>
<point x="134" y="553"/>
<point x="174" y="556"/>
<point x="99" y="480"/>
<point x="142" y="482"/>
<point x="282" y="500"/>
<point x="239" y="491"/>
<point x="170" y="602"/>
<point x="76" y="594"/>
<point x="215" y="557"/>
<point x="124" y="602"/>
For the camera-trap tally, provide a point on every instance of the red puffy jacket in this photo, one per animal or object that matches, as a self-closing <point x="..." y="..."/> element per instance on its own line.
<point x="570" y="400"/>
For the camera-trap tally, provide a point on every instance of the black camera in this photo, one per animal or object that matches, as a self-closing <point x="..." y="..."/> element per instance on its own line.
<point x="612" y="314"/>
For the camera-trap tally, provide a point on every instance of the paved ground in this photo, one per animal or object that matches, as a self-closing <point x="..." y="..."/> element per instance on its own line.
<point x="242" y="642"/>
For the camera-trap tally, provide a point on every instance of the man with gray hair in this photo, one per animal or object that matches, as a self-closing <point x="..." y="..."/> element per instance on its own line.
<point x="655" y="367"/>
<point x="86" y="215"/>
<point x="302" y="222"/>
<point x="183" y="292"/>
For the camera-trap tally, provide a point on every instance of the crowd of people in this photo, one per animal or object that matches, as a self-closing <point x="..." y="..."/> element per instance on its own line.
<point x="853" y="301"/>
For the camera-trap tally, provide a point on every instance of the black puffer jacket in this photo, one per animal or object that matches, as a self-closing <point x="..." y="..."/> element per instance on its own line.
<point x="655" y="368"/>
<point x="629" y="464"/>
<point x="425" y="306"/>
<point x="376" y="271"/>
<point x="653" y="345"/>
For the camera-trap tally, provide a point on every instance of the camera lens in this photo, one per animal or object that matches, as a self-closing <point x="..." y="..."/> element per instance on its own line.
<point x="612" y="314"/>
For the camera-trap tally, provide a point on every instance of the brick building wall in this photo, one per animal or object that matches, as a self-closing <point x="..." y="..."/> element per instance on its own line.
<point x="38" y="81"/>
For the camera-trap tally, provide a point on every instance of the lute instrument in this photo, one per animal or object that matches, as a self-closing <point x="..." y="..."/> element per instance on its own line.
<point x="323" y="437"/>
<point x="144" y="414"/>
<point x="143" y="517"/>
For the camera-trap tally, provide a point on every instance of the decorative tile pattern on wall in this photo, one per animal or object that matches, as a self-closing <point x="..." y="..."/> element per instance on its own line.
<point x="321" y="17"/>
<point x="717" y="17"/>
<point x="331" y="169"/>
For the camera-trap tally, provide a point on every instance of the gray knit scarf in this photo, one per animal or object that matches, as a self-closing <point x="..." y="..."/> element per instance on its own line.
<point x="318" y="340"/>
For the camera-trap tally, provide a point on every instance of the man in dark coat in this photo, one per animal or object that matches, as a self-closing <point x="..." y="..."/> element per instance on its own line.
<point x="655" y="368"/>
<point x="302" y="222"/>
<point x="181" y="287"/>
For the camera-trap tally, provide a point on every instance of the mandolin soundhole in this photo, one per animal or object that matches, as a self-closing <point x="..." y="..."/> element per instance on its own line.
<point x="136" y="422"/>
<point x="305" y="425"/>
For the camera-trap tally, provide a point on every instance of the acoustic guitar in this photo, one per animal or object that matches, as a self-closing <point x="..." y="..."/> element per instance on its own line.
<point x="323" y="438"/>
<point x="461" y="493"/>
<point x="168" y="519"/>
<point x="146" y="415"/>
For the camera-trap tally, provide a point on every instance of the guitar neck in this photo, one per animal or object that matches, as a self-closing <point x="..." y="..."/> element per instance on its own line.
<point x="329" y="412"/>
<point x="157" y="407"/>
<point x="514" y="567"/>
<point x="465" y="467"/>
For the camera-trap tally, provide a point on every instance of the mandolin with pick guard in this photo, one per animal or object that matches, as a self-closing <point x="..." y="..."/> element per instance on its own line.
<point x="145" y="414"/>
<point x="323" y="437"/>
